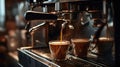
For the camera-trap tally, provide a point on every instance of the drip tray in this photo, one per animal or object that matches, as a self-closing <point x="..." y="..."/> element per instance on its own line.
<point x="43" y="54"/>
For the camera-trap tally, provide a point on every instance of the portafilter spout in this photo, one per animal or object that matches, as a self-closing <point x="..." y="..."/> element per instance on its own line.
<point x="69" y="25"/>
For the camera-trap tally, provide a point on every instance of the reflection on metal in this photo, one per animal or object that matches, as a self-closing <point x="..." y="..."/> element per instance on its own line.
<point x="44" y="57"/>
<point x="28" y="47"/>
<point x="41" y="59"/>
<point x="97" y="65"/>
<point x="62" y="1"/>
<point x="71" y="0"/>
<point x="36" y="27"/>
<point x="14" y="55"/>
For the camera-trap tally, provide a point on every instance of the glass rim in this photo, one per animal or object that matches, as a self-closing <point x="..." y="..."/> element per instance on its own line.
<point x="58" y="41"/>
<point x="80" y="39"/>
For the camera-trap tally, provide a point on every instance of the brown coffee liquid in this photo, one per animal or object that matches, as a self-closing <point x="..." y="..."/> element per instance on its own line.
<point x="61" y="34"/>
<point x="59" y="49"/>
<point x="80" y="47"/>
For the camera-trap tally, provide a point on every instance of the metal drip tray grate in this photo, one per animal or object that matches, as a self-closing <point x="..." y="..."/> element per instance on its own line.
<point x="44" y="56"/>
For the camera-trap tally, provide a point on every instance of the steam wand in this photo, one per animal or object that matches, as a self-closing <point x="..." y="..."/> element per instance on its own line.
<point x="32" y="31"/>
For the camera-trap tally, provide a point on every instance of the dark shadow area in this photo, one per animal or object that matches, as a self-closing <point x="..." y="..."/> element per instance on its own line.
<point x="7" y="61"/>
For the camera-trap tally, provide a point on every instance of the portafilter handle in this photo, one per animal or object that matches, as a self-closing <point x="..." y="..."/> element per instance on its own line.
<point x="34" y="15"/>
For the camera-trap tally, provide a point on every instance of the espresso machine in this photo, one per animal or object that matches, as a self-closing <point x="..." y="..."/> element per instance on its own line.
<point x="85" y="19"/>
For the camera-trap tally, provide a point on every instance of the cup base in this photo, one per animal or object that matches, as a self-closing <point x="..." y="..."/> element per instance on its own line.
<point x="59" y="60"/>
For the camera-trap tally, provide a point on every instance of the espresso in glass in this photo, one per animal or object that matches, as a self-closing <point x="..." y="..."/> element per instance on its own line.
<point x="80" y="47"/>
<point x="59" y="49"/>
<point x="105" y="46"/>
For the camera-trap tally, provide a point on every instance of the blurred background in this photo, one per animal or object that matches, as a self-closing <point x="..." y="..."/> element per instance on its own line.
<point x="10" y="16"/>
<point x="11" y="24"/>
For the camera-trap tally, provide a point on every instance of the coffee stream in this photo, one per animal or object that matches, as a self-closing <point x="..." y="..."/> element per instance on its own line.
<point x="61" y="34"/>
<point x="62" y="47"/>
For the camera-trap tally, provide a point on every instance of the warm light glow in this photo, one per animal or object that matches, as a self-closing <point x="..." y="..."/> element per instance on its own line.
<point x="34" y="0"/>
<point x="12" y="44"/>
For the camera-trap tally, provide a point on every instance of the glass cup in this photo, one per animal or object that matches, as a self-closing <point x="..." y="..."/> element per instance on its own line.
<point x="80" y="47"/>
<point x="105" y="47"/>
<point x="59" y="49"/>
